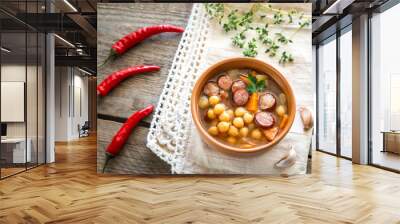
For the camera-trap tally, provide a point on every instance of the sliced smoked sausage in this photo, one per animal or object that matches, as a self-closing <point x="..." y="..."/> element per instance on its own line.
<point x="238" y="84"/>
<point x="240" y="97"/>
<point x="224" y="82"/>
<point x="264" y="119"/>
<point x="267" y="101"/>
<point x="211" y="89"/>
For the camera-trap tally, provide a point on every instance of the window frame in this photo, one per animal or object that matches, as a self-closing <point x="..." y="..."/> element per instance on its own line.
<point x="334" y="37"/>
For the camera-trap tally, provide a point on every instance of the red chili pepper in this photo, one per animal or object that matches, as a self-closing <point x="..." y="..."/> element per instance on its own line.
<point x="122" y="135"/>
<point x="137" y="36"/>
<point x="115" y="78"/>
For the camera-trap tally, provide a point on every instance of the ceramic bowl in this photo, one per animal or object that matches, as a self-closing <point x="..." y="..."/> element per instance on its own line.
<point x="241" y="63"/>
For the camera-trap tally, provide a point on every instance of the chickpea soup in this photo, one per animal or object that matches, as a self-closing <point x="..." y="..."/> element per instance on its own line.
<point x="243" y="108"/>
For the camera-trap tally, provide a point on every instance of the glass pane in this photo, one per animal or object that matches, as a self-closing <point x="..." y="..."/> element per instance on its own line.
<point x="346" y="94"/>
<point x="327" y="97"/>
<point x="13" y="87"/>
<point x="385" y="83"/>
<point x="31" y="98"/>
<point x="41" y="99"/>
<point x="31" y="88"/>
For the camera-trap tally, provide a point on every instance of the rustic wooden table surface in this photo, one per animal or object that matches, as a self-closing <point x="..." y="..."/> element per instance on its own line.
<point x="114" y="21"/>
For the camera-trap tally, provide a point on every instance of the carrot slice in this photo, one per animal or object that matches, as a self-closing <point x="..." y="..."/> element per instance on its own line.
<point x="252" y="105"/>
<point x="244" y="79"/>
<point x="283" y="121"/>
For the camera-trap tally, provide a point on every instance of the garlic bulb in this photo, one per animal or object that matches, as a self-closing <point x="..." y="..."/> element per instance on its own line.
<point x="306" y="117"/>
<point x="288" y="160"/>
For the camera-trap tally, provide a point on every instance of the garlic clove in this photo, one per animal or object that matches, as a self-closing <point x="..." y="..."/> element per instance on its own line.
<point x="306" y="117"/>
<point x="288" y="160"/>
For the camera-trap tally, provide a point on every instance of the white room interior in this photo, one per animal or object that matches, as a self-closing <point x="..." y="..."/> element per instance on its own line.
<point x="71" y="102"/>
<point x="23" y="134"/>
<point x="48" y="83"/>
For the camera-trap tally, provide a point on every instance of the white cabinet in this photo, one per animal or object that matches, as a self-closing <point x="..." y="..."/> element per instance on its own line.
<point x="19" y="155"/>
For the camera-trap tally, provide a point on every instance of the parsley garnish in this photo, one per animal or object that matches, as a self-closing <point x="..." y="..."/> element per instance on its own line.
<point x="254" y="85"/>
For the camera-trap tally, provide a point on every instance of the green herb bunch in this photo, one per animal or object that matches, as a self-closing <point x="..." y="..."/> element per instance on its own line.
<point x="241" y="22"/>
<point x="215" y="10"/>
<point x="251" y="49"/>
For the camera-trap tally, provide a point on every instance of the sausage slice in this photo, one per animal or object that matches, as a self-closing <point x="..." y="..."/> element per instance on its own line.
<point x="238" y="84"/>
<point x="264" y="119"/>
<point x="240" y="97"/>
<point x="267" y="101"/>
<point x="224" y="82"/>
<point x="211" y="89"/>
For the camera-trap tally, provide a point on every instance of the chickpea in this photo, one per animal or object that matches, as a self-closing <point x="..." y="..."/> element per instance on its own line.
<point x="244" y="132"/>
<point x="203" y="102"/>
<point x="251" y="126"/>
<point x="231" y="113"/>
<point x="224" y="117"/>
<point x="256" y="134"/>
<point x="211" y="114"/>
<point x="222" y="135"/>
<point x="214" y="122"/>
<point x="280" y="110"/>
<point x="231" y="140"/>
<point x="219" y="108"/>
<point x="214" y="100"/>
<point x="248" y="118"/>
<point x="240" y="111"/>
<point x="238" y="122"/>
<point x="213" y="130"/>
<point x="233" y="131"/>
<point x="223" y="126"/>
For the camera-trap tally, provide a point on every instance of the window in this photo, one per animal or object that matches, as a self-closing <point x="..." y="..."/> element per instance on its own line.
<point x="346" y="93"/>
<point x="22" y="78"/>
<point x="327" y="96"/>
<point x="385" y="89"/>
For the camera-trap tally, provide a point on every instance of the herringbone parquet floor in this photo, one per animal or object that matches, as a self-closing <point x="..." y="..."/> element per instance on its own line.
<point x="70" y="191"/>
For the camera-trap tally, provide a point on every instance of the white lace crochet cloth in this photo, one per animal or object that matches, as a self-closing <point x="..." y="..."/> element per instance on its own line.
<point x="173" y="136"/>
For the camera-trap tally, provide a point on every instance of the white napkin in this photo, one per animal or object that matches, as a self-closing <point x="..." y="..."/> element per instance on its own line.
<point x="201" y="158"/>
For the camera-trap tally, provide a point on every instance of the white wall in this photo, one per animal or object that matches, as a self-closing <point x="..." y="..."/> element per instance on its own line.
<point x="80" y="88"/>
<point x="61" y="103"/>
<point x="70" y="83"/>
